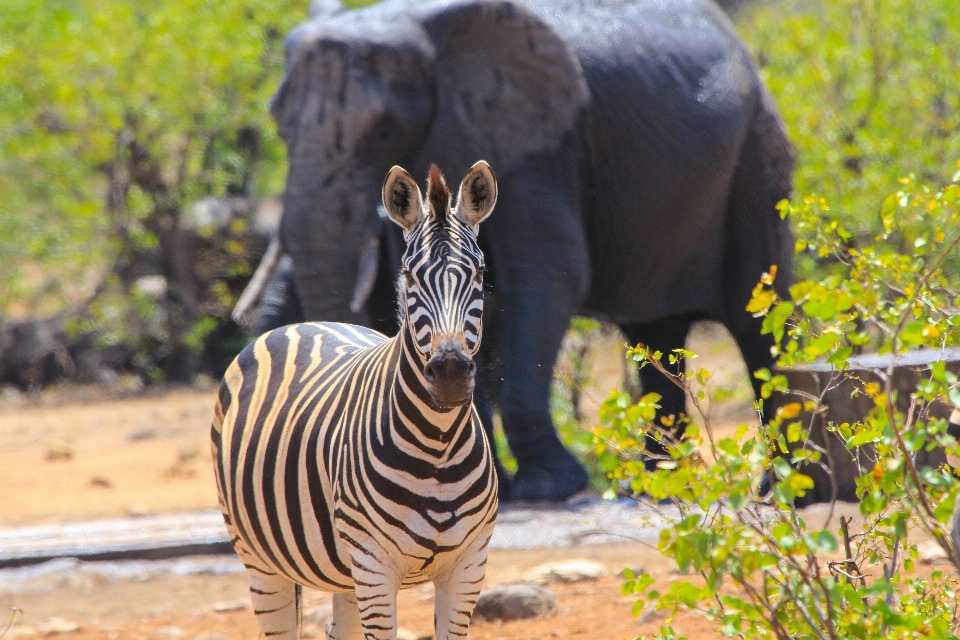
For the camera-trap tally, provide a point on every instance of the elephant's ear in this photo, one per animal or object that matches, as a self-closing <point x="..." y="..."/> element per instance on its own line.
<point x="402" y="199"/>
<point x="478" y="194"/>
<point x="508" y="85"/>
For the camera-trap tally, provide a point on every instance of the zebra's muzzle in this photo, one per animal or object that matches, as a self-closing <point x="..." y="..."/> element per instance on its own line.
<point x="450" y="374"/>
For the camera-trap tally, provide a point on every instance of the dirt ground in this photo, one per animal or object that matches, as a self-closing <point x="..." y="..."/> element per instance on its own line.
<point x="78" y="454"/>
<point x="110" y="610"/>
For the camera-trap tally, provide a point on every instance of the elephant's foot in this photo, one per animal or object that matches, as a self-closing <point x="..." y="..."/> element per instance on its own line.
<point x="554" y="474"/>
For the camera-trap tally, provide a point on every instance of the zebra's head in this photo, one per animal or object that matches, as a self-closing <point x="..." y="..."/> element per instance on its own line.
<point x="442" y="273"/>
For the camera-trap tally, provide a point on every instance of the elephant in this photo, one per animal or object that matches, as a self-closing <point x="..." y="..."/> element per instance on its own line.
<point x="640" y="159"/>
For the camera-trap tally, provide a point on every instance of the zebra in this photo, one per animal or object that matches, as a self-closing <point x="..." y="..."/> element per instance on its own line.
<point x="356" y="464"/>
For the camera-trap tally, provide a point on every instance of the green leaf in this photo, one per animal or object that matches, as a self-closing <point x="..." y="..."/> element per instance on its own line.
<point x="822" y="541"/>
<point x="776" y="318"/>
<point x="889" y="205"/>
<point x="944" y="510"/>
<point x="761" y="301"/>
<point x="863" y="438"/>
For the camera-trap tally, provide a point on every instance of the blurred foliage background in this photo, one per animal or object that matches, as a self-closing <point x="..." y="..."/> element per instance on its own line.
<point x="121" y="122"/>
<point x="870" y="92"/>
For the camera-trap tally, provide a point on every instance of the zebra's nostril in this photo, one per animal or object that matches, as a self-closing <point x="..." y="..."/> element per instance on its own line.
<point x="471" y="370"/>
<point x="429" y="373"/>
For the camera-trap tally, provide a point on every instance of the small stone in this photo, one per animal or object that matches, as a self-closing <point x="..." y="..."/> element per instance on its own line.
<point x="12" y="395"/>
<point x="651" y="614"/>
<point x="577" y="570"/>
<point x="931" y="553"/>
<point x="142" y="434"/>
<point x="59" y="452"/>
<point x="51" y="626"/>
<point x="318" y="616"/>
<point x="515" y="602"/>
<point x="223" y="607"/>
<point x="137" y="511"/>
<point x="101" y="481"/>
<point x="20" y="631"/>
<point x="151" y="286"/>
<point x="169" y="632"/>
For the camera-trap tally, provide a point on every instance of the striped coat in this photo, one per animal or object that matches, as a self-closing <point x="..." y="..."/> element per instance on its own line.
<point x="340" y="468"/>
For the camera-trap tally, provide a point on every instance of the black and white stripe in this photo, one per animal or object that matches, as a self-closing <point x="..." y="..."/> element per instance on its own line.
<point x="337" y="470"/>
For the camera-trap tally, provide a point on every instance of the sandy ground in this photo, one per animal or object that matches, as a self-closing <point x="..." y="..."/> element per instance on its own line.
<point x="108" y="610"/>
<point x="73" y="454"/>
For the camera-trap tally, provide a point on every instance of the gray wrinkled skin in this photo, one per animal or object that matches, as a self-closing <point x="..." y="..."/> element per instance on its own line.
<point x="639" y="157"/>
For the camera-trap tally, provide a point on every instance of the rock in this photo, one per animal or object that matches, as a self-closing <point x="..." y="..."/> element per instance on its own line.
<point x="60" y="451"/>
<point x="576" y="570"/>
<point x="931" y="553"/>
<point x="100" y="481"/>
<point x="14" y="396"/>
<point x="137" y="511"/>
<point x="169" y="632"/>
<point x="317" y="616"/>
<point x="236" y="605"/>
<point x="650" y="614"/>
<point x="142" y="434"/>
<point x="151" y="286"/>
<point x="51" y="626"/>
<point x="515" y="602"/>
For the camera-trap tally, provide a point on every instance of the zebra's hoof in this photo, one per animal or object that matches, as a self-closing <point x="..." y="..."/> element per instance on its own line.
<point x="551" y="478"/>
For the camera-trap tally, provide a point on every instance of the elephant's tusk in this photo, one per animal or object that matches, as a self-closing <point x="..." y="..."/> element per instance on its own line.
<point x="258" y="283"/>
<point x="367" y="276"/>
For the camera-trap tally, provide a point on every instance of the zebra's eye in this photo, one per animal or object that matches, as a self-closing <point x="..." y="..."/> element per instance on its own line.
<point x="408" y="276"/>
<point x="479" y="277"/>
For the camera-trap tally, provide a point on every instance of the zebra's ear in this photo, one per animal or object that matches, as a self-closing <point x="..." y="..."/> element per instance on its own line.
<point x="402" y="199"/>
<point x="478" y="194"/>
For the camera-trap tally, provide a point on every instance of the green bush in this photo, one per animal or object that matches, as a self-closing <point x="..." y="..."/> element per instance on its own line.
<point x="115" y="117"/>
<point x="869" y="91"/>
<point x="763" y="572"/>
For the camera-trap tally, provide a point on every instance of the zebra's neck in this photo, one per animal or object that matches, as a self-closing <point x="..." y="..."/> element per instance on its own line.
<point x="413" y="407"/>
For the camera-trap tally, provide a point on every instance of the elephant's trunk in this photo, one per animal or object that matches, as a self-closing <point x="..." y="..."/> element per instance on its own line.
<point x="332" y="236"/>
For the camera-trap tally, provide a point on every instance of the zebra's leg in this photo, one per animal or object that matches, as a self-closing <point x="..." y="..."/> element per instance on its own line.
<point x="457" y="590"/>
<point x="274" y="600"/>
<point x="344" y="624"/>
<point x="376" y="586"/>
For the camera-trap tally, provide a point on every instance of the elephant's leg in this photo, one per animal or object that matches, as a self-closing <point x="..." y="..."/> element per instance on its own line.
<point x="344" y="624"/>
<point x="755" y="349"/>
<point x="280" y="305"/>
<point x="533" y="329"/>
<point x="541" y="264"/>
<point x="274" y="600"/>
<point x="757" y="237"/>
<point x="662" y="335"/>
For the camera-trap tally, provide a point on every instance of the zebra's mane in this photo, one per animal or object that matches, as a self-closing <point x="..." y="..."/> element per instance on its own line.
<point x="438" y="194"/>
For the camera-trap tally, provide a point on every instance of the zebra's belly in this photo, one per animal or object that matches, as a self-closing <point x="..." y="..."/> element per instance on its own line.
<point x="418" y="544"/>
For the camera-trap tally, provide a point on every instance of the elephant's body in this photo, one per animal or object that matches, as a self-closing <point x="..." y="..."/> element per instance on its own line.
<point x="639" y="157"/>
